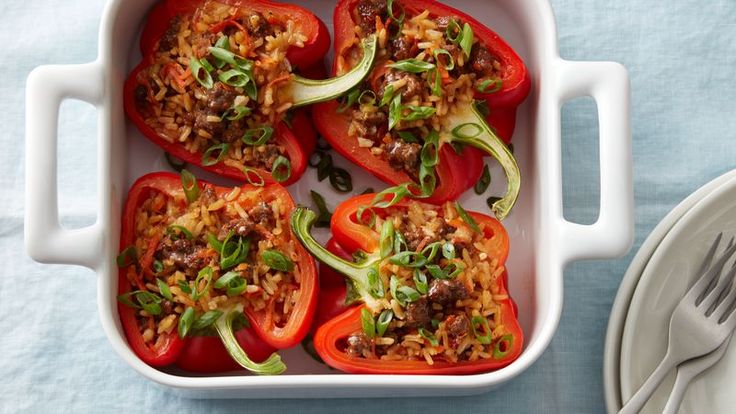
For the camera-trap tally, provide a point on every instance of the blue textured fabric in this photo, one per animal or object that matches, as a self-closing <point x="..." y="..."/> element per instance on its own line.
<point x="681" y="57"/>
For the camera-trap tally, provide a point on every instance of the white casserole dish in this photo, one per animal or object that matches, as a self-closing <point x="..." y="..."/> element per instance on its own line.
<point x="543" y="242"/>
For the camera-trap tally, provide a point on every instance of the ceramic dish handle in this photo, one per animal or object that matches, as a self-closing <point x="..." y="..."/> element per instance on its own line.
<point x="611" y="235"/>
<point x="46" y="240"/>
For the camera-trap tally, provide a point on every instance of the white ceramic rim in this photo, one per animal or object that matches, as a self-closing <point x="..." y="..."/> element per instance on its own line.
<point x="620" y="308"/>
<point x="558" y="241"/>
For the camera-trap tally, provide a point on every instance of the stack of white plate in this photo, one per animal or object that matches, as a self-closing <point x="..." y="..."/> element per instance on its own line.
<point x="656" y="280"/>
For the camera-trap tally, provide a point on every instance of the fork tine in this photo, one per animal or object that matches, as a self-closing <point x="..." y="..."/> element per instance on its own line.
<point x="722" y="295"/>
<point x="703" y="286"/>
<point x="718" y="291"/>
<point x="709" y="257"/>
<point x="726" y="306"/>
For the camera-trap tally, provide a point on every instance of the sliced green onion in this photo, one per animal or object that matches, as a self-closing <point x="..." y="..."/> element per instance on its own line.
<point x="408" y="294"/>
<point x="222" y="43"/>
<point x="466" y="41"/>
<point x="236" y="287"/>
<point x="489" y="86"/>
<point x="454" y="32"/>
<point x="367" y="97"/>
<point x="400" y="244"/>
<point x="418" y="112"/>
<point x="467" y="218"/>
<point x="499" y="353"/>
<point x="348" y="100"/>
<point x="375" y="283"/>
<point x="185" y="322"/>
<point x="384" y="319"/>
<point x="368" y="323"/>
<point x="232" y="282"/>
<point x="361" y="219"/>
<point x="225" y="279"/>
<point x="436" y="272"/>
<point x="394" y="112"/>
<point x="204" y="275"/>
<point x="252" y="90"/>
<point x="184" y="286"/>
<point x="201" y="74"/>
<point x="387" y="238"/>
<point x="253" y="177"/>
<point x="324" y="217"/>
<point x="408" y="259"/>
<point x="442" y="52"/>
<point x="220" y="149"/>
<point x="485" y="180"/>
<point x="390" y="8"/>
<point x="453" y="269"/>
<point x="281" y="169"/>
<point x="397" y="194"/>
<point x="236" y="112"/>
<point x="420" y="282"/>
<point x="341" y="180"/>
<point x="189" y="183"/>
<point x="316" y="158"/>
<point x="277" y="260"/>
<point x="427" y="179"/>
<point x="175" y="164"/>
<point x="430" y="154"/>
<point x="435" y="323"/>
<point x="448" y="251"/>
<point x="481" y="330"/>
<point x="407" y="136"/>
<point x="388" y="94"/>
<point x="412" y="65"/>
<point x="213" y="242"/>
<point x="148" y="301"/>
<point x="158" y="266"/>
<point x="431" y="250"/>
<point x="234" y="60"/>
<point x="324" y="167"/>
<point x="164" y="289"/>
<point x="434" y="79"/>
<point x="206" y="320"/>
<point x="176" y="230"/>
<point x="429" y="336"/>
<point x="128" y="257"/>
<point x="206" y="65"/>
<point x="467" y="130"/>
<point x="234" y="78"/>
<point x="394" y="29"/>
<point x="233" y="253"/>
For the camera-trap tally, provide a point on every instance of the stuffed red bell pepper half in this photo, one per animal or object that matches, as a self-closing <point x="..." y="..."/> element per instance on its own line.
<point x="426" y="288"/>
<point x="433" y="67"/>
<point x="207" y="271"/>
<point x="217" y="87"/>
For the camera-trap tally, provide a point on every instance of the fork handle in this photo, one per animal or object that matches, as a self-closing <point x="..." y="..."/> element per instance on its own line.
<point x="637" y="401"/>
<point x="684" y="376"/>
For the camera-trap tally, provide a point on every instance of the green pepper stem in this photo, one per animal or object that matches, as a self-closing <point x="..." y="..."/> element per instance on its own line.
<point x="308" y="91"/>
<point x="224" y="326"/>
<point x="488" y="141"/>
<point x="302" y="220"/>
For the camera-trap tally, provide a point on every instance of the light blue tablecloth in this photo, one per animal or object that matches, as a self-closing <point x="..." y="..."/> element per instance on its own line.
<point x="681" y="56"/>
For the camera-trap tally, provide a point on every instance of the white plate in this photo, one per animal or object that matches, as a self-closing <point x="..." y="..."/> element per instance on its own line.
<point x="663" y="282"/>
<point x="612" y="351"/>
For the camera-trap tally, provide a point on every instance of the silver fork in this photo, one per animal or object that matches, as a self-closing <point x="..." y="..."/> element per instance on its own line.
<point x="700" y="323"/>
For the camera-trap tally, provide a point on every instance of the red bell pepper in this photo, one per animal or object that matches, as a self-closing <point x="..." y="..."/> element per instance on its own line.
<point x="251" y="347"/>
<point x="350" y="236"/>
<point x="295" y="134"/>
<point x="456" y="174"/>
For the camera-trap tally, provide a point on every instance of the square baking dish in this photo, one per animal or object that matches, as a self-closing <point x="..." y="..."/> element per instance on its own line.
<point x="542" y="241"/>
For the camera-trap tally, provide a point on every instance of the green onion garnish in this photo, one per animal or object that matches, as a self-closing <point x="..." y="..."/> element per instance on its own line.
<point x="418" y="112"/>
<point x="390" y="8"/>
<point x="234" y="78"/>
<point x="369" y="324"/>
<point x="400" y="244"/>
<point x="176" y="230"/>
<point x="388" y="94"/>
<point x="236" y="112"/>
<point x="189" y="183"/>
<point x="148" y="301"/>
<point x="503" y="346"/>
<point x="375" y="283"/>
<point x="367" y="97"/>
<point x="234" y="60"/>
<point x="233" y="253"/>
<point x="184" y="286"/>
<point x="429" y="336"/>
<point x="466" y="41"/>
<point x="253" y="177"/>
<point x="204" y="275"/>
<point x="175" y="164"/>
<point x="434" y="79"/>
<point x="420" y="282"/>
<point x="431" y="250"/>
<point x="407" y="136"/>
<point x="324" y="166"/>
<point x="257" y="136"/>
<point x="394" y="112"/>
<point x="341" y="180"/>
<point x="348" y="100"/>
<point x="387" y="238"/>
<point x="489" y="86"/>
<point x="232" y="282"/>
<point x="200" y="73"/>
<point x="277" y="260"/>
<point x="412" y="65"/>
<point x="158" y="266"/>
<point x="324" y="217"/>
<point x="220" y="149"/>
<point x="213" y="242"/>
<point x="128" y="257"/>
<point x="281" y="169"/>
<point x="206" y="320"/>
<point x="450" y="65"/>
<point x="454" y="31"/>
<point x="427" y="179"/>
<point x="453" y="269"/>
<point x="485" y="180"/>
<point x="430" y="154"/>
<point x="185" y="322"/>
<point x="402" y="294"/>
<point x="448" y="251"/>
<point x="164" y="289"/>
<point x="222" y="43"/>
<point x="397" y="194"/>
<point x="360" y="216"/>
<point x="481" y="329"/>
<point x="384" y="319"/>
<point x="467" y="218"/>
<point x="408" y="259"/>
